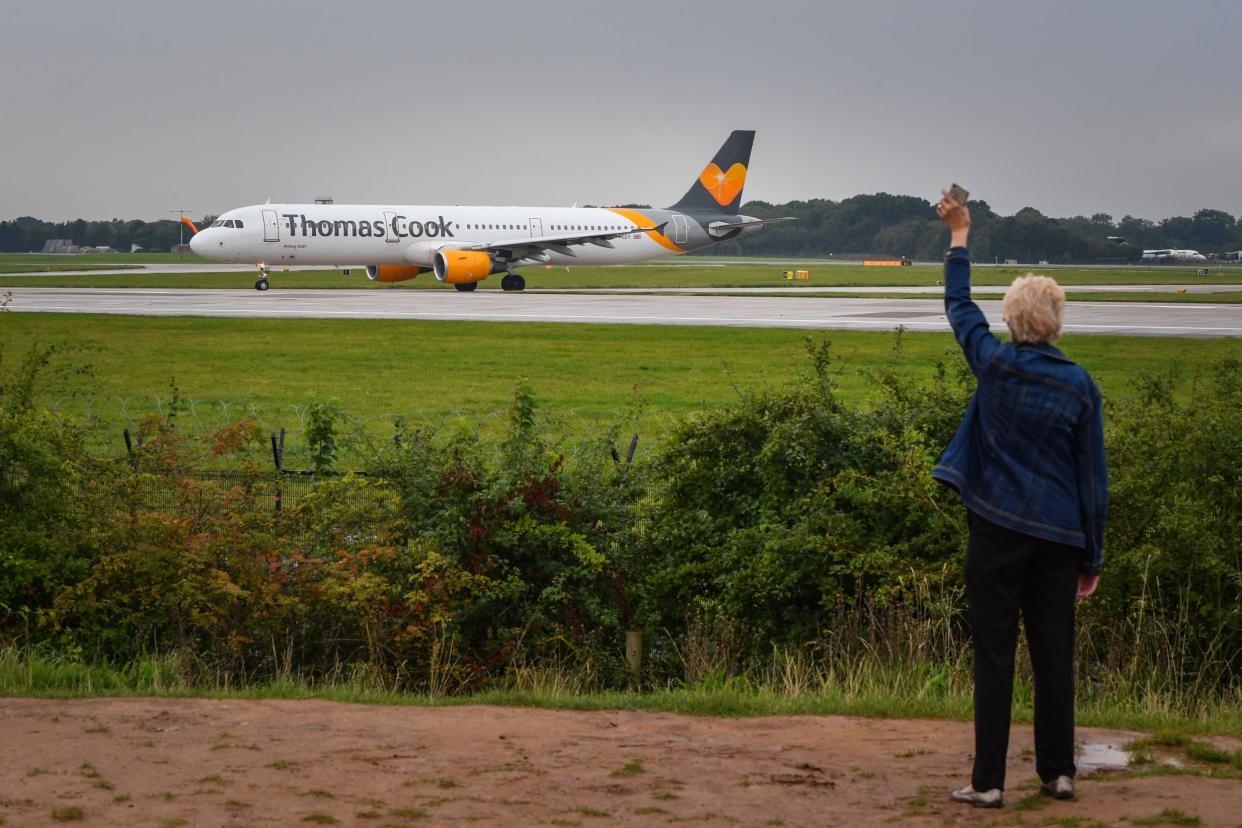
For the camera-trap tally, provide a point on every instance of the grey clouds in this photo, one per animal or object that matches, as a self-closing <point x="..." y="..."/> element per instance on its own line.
<point x="132" y="108"/>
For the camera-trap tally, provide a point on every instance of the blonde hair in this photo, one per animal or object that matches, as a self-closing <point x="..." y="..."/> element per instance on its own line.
<point x="1033" y="308"/>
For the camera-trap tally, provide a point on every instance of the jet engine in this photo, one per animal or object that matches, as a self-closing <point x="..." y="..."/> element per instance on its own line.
<point x="393" y="273"/>
<point x="464" y="267"/>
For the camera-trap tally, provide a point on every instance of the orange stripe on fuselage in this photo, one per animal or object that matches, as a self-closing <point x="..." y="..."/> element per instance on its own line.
<point x="645" y="221"/>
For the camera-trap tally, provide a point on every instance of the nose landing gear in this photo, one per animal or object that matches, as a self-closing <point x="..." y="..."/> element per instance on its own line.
<point x="261" y="282"/>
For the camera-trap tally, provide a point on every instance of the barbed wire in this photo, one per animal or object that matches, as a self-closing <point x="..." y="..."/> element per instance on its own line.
<point x="201" y="417"/>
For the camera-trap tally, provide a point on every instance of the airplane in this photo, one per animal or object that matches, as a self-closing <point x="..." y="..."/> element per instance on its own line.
<point x="1173" y="256"/>
<point x="464" y="245"/>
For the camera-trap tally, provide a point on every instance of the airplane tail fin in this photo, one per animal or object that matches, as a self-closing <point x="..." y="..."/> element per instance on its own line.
<point x="718" y="189"/>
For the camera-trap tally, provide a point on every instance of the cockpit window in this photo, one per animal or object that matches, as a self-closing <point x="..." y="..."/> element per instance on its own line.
<point x="228" y="223"/>
<point x="239" y="224"/>
<point x="217" y="223"/>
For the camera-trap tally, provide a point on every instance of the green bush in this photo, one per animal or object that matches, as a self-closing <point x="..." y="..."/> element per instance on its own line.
<point x="1169" y="611"/>
<point x="780" y="510"/>
<point x="50" y="491"/>
<point x="786" y="535"/>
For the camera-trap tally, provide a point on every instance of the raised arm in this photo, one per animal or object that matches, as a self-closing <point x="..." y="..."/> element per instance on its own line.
<point x="970" y="326"/>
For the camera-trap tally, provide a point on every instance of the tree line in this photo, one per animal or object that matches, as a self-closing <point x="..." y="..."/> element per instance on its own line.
<point x="906" y="226"/>
<point x="27" y="234"/>
<point x="877" y="224"/>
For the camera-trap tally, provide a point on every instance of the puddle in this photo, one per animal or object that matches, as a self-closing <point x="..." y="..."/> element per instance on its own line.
<point x="1099" y="756"/>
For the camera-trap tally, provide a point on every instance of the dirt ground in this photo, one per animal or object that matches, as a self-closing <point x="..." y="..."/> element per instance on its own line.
<point x="165" y="762"/>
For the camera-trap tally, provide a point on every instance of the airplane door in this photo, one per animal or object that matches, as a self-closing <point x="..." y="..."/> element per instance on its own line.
<point x="536" y="228"/>
<point x="390" y="231"/>
<point x="681" y="229"/>
<point x="271" y="226"/>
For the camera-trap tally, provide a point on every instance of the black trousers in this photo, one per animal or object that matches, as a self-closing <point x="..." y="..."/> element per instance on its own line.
<point x="1008" y="572"/>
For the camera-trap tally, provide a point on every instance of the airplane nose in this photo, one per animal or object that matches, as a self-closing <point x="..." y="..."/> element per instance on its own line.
<point x="196" y="243"/>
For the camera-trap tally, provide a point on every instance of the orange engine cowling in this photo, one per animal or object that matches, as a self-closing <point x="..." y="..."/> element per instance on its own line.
<point x="393" y="273"/>
<point x="461" y="267"/>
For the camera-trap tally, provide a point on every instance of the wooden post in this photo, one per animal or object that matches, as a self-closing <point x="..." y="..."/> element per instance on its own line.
<point x="634" y="652"/>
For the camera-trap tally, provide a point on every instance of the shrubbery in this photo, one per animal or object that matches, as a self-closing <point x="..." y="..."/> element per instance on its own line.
<point x="784" y="521"/>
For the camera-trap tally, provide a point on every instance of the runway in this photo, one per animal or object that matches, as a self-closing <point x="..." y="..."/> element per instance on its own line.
<point x="1117" y="318"/>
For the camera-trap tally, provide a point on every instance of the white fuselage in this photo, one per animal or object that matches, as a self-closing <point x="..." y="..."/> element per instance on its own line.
<point x="344" y="235"/>
<point x="1173" y="255"/>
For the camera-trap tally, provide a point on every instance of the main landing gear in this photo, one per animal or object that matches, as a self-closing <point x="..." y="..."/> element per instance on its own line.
<point x="261" y="282"/>
<point x="512" y="281"/>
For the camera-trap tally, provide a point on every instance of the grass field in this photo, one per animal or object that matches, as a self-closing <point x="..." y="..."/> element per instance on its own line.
<point x="685" y="272"/>
<point x="432" y="371"/>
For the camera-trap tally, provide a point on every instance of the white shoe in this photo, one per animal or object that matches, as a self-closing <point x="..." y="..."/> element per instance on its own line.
<point x="1060" y="788"/>
<point x="980" y="799"/>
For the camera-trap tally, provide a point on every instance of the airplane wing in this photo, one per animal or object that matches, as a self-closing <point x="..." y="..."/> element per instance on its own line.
<point x="720" y="229"/>
<point x="529" y="246"/>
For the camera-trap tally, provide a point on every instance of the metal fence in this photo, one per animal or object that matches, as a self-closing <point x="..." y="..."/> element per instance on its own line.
<point x="198" y="488"/>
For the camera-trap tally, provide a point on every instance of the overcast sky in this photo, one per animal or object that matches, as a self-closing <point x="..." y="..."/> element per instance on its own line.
<point x="131" y="108"/>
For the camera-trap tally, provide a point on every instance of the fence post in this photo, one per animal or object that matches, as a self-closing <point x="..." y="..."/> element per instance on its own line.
<point x="278" y="451"/>
<point x="129" y="449"/>
<point x="634" y="652"/>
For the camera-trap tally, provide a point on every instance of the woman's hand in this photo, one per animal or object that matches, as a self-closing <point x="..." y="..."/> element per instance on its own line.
<point x="1087" y="585"/>
<point x="956" y="216"/>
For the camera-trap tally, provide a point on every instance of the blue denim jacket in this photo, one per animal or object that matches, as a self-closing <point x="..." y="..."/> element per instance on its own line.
<point x="1029" y="453"/>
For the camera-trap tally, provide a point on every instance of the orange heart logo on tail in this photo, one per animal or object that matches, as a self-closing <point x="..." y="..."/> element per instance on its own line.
<point x="724" y="186"/>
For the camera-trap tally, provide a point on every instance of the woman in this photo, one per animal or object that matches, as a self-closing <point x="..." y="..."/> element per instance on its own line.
<point x="1028" y="462"/>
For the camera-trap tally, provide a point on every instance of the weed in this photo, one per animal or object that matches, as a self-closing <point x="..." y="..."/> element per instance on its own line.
<point x="650" y="809"/>
<point x="213" y="779"/>
<point x="69" y="813"/>
<point x="119" y="798"/>
<point x="321" y="818"/>
<point x="37" y="771"/>
<point x="237" y="803"/>
<point x="234" y="746"/>
<point x="629" y="769"/>
<point x="1169" y="816"/>
<point x="435" y="801"/>
<point x="587" y="810"/>
<point x="1203" y="752"/>
<point x="408" y="813"/>
<point x="284" y="765"/>
<point x="910" y="754"/>
<point x="447" y="783"/>
<point x="320" y="792"/>
<point x="1032" y="802"/>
